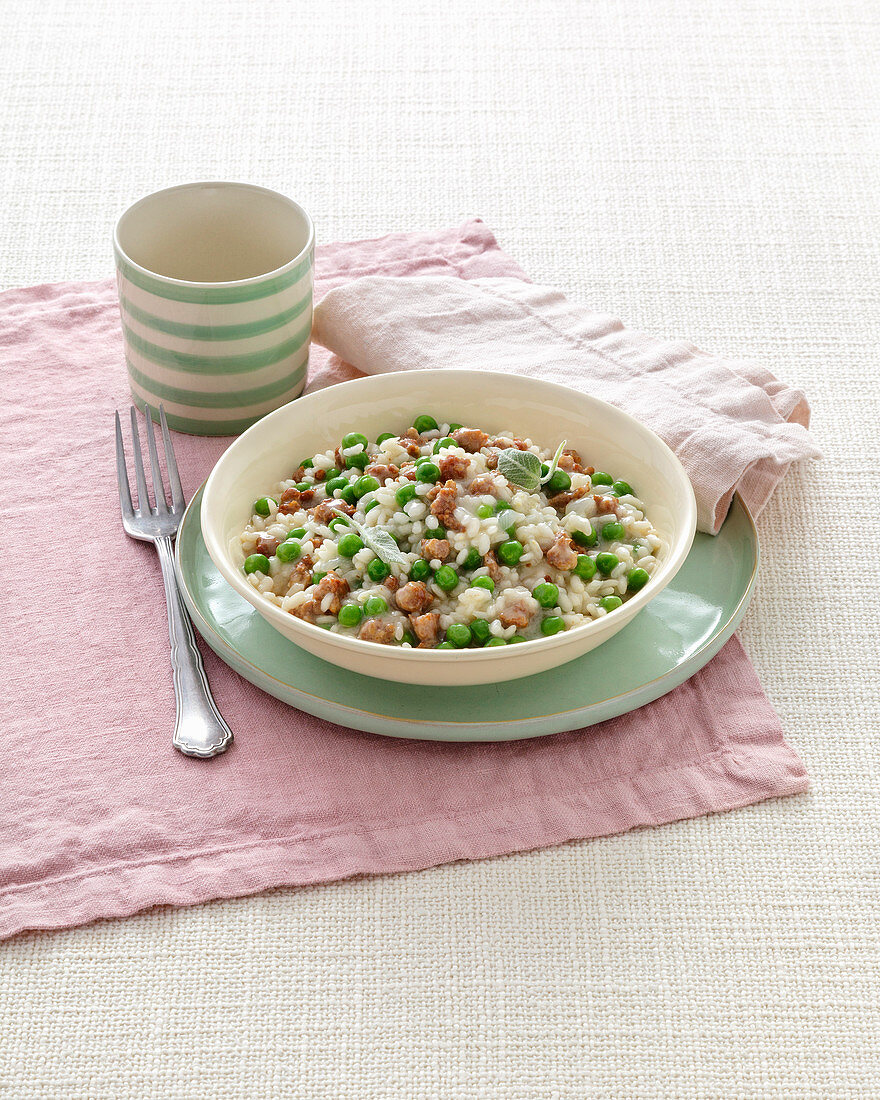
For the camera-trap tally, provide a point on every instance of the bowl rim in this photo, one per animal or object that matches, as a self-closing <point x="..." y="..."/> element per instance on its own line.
<point x="276" y="617"/>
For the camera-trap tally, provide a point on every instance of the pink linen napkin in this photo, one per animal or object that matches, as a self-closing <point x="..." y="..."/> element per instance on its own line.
<point x="99" y="817"/>
<point x="732" y="424"/>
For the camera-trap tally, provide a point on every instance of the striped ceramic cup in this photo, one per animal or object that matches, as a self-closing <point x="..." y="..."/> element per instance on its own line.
<point x="215" y="291"/>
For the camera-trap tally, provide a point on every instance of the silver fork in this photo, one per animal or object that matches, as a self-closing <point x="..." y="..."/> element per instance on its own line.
<point x="199" y="730"/>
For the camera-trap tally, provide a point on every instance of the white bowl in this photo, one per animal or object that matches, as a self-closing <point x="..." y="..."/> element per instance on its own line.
<point x="606" y="438"/>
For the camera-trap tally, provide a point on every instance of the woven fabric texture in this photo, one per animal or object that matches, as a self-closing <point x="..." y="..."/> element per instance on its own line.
<point x="702" y="171"/>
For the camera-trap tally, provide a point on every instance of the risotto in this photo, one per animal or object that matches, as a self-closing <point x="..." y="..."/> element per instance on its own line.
<point x="449" y="537"/>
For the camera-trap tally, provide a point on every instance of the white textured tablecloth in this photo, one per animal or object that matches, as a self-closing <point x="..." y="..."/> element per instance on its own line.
<point x="705" y="171"/>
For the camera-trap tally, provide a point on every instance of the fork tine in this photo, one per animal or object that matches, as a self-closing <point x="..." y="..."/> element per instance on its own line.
<point x="122" y="474"/>
<point x="143" y="494"/>
<point x="158" y="487"/>
<point x="177" y="498"/>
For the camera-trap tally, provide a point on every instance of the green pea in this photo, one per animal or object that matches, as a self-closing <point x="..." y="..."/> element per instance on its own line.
<point x="318" y="577"/>
<point x="502" y="506"/>
<point x="289" y="551"/>
<point x="340" y="521"/>
<point x="257" y="563"/>
<point x="405" y="494"/>
<point x="296" y="533"/>
<point x="353" y="439"/>
<point x="437" y="532"/>
<point x="420" y="570"/>
<point x="446" y="578"/>
<point x="612" y="531"/>
<point x="459" y="634"/>
<point x="425" y="423"/>
<point x="421" y="459"/>
<point x="637" y="579"/>
<point x="359" y="460"/>
<point x="347" y="495"/>
<point x="510" y="552"/>
<point x="455" y="427"/>
<point x="262" y="507"/>
<point x="335" y="483"/>
<point x="598" y="478"/>
<point x="408" y="636"/>
<point x="483" y="582"/>
<point x="446" y="441"/>
<point x="484" y="511"/>
<point x="606" y="563"/>
<point x="622" y="489"/>
<point x="307" y="464"/>
<point x="428" y="472"/>
<point x="552" y="625"/>
<point x="364" y="485"/>
<point x="349" y="545"/>
<point x="303" y="485"/>
<point x="385" y="435"/>
<point x="480" y="630"/>
<point x="473" y="559"/>
<point x="350" y="615"/>
<point x="377" y="570"/>
<point x="559" y="483"/>
<point x="547" y="595"/>
<point x="445" y="645"/>
<point x="375" y="605"/>
<point x="516" y="639"/>
<point x="372" y="504"/>
<point x="585" y="538"/>
<point x="610" y="602"/>
<point x="495" y="641"/>
<point x="586" y="567"/>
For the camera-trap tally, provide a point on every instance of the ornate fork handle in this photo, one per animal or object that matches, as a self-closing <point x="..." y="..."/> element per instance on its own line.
<point x="199" y="730"/>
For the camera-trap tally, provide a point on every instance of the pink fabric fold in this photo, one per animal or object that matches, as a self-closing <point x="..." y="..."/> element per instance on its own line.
<point x="733" y="425"/>
<point x="99" y="817"/>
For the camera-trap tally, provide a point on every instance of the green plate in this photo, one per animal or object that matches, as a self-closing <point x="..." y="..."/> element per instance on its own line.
<point x="674" y="636"/>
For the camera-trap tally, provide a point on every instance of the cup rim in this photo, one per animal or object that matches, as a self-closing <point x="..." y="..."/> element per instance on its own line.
<point x="251" y="280"/>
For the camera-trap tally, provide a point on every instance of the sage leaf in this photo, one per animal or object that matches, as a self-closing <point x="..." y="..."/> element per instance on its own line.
<point x="382" y="545"/>
<point x="507" y="519"/>
<point x="521" y="468"/>
<point x="552" y="470"/>
<point x="377" y="539"/>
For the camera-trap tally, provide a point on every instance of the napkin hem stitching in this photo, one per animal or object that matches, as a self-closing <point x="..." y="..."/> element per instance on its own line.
<point x="735" y="754"/>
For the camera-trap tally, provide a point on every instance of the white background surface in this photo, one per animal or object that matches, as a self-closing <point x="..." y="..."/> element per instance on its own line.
<point x="706" y="170"/>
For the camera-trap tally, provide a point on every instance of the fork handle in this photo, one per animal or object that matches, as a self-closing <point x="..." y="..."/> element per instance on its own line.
<point x="199" y="730"/>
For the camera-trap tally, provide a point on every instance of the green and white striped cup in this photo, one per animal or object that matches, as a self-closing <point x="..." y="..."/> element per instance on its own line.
<point x="215" y="291"/>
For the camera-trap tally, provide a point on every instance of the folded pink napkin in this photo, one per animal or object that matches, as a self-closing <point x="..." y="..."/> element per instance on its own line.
<point x="732" y="424"/>
<point x="99" y="817"/>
